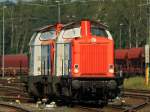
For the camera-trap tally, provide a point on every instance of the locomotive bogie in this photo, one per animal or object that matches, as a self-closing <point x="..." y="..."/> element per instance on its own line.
<point x="87" y="90"/>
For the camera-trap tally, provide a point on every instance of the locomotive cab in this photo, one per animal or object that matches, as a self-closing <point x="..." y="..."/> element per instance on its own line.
<point x="93" y="54"/>
<point x="42" y="60"/>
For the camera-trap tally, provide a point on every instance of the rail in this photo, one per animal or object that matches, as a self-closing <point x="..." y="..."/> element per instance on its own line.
<point x="133" y="93"/>
<point x="88" y="109"/>
<point x="15" y="106"/>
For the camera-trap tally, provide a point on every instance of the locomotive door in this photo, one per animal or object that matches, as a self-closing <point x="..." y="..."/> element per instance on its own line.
<point x="36" y="60"/>
<point x="67" y="58"/>
<point x="63" y="57"/>
<point x="31" y="68"/>
<point x="45" y="60"/>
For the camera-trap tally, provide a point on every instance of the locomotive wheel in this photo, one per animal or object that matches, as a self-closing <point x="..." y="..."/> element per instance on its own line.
<point x="100" y="103"/>
<point x="59" y="103"/>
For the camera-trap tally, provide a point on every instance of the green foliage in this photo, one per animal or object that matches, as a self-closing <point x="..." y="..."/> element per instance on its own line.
<point x="23" y="17"/>
<point x="136" y="83"/>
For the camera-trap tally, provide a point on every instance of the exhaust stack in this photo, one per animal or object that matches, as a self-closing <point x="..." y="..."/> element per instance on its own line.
<point x="85" y="29"/>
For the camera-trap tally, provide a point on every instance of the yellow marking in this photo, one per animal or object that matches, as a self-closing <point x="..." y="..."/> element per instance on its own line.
<point x="147" y="74"/>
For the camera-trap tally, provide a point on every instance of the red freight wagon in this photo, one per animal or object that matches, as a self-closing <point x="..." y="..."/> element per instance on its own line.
<point x="121" y="63"/>
<point x="121" y="54"/>
<point x="136" y="53"/>
<point x="14" y="64"/>
<point x="136" y="61"/>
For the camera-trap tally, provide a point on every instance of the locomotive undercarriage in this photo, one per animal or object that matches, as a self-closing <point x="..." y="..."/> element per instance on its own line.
<point x="99" y="90"/>
<point x="78" y="90"/>
<point x="40" y="87"/>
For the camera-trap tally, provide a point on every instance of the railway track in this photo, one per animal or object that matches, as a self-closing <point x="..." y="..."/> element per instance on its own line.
<point x="141" y="94"/>
<point x="15" y="98"/>
<point x="88" y="109"/>
<point x="136" y="93"/>
<point x="13" y="89"/>
<point x="14" y="107"/>
<point x="135" y="100"/>
<point x="133" y="94"/>
<point x="129" y="107"/>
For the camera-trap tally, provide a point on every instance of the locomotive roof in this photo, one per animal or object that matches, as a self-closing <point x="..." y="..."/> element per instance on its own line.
<point x="69" y="25"/>
<point x="95" y="23"/>
<point x="44" y="28"/>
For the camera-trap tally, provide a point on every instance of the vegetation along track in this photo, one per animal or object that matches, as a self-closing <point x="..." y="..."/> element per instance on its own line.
<point x="143" y="95"/>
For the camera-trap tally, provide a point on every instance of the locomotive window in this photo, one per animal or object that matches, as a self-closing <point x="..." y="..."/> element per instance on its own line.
<point x="33" y="39"/>
<point x="45" y="60"/>
<point x="48" y="35"/>
<point x="98" y="32"/>
<point x="72" y="33"/>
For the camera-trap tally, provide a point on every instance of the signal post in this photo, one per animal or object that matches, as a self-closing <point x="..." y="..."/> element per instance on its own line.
<point x="147" y="60"/>
<point x="147" y="56"/>
<point x="147" y="64"/>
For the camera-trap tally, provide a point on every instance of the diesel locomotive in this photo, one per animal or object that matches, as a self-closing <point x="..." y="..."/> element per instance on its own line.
<point x="74" y="62"/>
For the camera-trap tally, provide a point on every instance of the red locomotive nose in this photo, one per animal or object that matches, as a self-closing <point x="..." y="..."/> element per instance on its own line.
<point x="85" y="29"/>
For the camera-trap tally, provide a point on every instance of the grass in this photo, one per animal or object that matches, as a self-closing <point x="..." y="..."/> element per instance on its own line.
<point x="136" y="83"/>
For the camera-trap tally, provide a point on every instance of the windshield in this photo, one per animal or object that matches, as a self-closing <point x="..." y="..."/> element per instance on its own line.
<point x="98" y="32"/>
<point x="45" y="60"/>
<point x="48" y="35"/>
<point x="33" y="39"/>
<point x="72" y="33"/>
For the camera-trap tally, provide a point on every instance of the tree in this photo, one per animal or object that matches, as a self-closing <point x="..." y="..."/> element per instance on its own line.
<point x="22" y="18"/>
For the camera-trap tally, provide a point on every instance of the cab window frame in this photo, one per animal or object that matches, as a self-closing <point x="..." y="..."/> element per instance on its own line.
<point x="49" y="37"/>
<point x="101" y="30"/>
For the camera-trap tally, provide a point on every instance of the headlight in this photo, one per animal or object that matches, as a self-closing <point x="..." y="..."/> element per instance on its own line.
<point x="111" y="68"/>
<point x="76" y="68"/>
